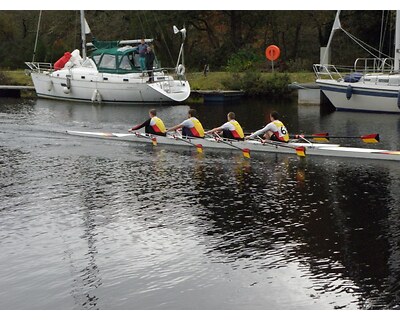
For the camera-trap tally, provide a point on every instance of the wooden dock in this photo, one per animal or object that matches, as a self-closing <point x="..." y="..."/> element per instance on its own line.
<point x="14" y="91"/>
<point x="218" y="96"/>
<point x="308" y="93"/>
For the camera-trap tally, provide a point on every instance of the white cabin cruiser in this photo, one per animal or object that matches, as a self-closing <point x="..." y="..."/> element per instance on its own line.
<point x="111" y="73"/>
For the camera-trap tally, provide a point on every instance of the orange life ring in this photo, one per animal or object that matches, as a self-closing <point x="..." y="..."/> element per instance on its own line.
<point x="272" y="52"/>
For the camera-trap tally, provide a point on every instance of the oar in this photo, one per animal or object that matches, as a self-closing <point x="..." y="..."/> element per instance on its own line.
<point x="300" y="150"/>
<point x="321" y="137"/>
<point x="367" y="138"/>
<point x="199" y="146"/>
<point x="144" y="135"/>
<point x="245" y="151"/>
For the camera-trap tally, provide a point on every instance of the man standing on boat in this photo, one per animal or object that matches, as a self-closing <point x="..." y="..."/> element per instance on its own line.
<point x="142" y="50"/>
<point x="191" y="127"/>
<point x="153" y="125"/>
<point x="231" y="129"/>
<point x="275" y="130"/>
<point x="149" y="63"/>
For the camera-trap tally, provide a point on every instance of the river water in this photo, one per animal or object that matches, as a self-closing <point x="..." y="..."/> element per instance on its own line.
<point x="98" y="224"/>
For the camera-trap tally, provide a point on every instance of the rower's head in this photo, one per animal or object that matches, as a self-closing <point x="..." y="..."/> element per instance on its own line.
<point x="142" y="41"/>
<point x="231" y="116"/>
<point x="152" y="113"/>
<point x="192" y="113"/>
<point x="274" y="115"/>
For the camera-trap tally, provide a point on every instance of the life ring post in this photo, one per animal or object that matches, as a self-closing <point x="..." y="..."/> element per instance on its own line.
<point x="272" y="53"/>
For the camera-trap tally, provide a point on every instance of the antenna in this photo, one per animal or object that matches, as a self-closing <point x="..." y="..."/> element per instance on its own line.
<point x="181" y="54"/>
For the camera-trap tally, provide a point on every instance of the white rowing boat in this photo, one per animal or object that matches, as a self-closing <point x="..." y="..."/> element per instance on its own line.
<point x="320" y="149"/>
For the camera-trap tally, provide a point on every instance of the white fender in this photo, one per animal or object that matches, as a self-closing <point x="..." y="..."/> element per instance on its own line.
<point x="66" y="90"/>
<point x="49" y="85"/>
<point x="96" y="96"/>
<point x="67" y="86"/>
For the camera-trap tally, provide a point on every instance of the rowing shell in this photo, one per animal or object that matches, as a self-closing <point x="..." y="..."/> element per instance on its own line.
<point x="320" y="149"/>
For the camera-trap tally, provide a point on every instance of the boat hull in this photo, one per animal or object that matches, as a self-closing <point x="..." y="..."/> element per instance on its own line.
<point x="103" y="88"/>
<point x="317" y="149"/>
<point x="361" y="96"/>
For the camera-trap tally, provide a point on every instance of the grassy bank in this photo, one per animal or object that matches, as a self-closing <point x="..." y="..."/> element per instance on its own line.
<point x="17" y="77"/>
<point x="213" y="81"/>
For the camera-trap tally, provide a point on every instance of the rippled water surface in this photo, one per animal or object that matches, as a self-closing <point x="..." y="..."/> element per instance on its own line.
<point x="99" y="224"/>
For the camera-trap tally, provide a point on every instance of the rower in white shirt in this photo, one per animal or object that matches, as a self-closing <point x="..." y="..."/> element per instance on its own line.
<point x="275" y="130"/>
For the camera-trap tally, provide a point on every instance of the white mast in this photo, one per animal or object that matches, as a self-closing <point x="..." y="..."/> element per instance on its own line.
<point x="83" y="35"/>
<point x="397" y="43"/>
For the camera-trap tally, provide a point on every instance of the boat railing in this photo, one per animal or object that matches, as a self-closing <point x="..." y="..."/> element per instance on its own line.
<point x="374" y="65"/>
<point x="163" y="77"/>
<point x="40" y="66"/>
<point x="326" y="71"/>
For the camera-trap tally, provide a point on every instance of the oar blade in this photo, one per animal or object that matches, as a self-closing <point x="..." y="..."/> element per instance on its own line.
<point x="321" y="137"/>
<point x="301" y="151"/>
<point x="370" y="138"/>
<point x="246" y="153"/>
<point x="154" y="141"/>
<point x="199" y="148"/>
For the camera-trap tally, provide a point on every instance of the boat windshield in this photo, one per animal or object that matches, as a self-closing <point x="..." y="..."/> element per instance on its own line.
<point x="88" y="63"/>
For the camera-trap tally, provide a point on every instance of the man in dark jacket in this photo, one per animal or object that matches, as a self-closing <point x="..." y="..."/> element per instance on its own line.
<point x="149" y="63"/>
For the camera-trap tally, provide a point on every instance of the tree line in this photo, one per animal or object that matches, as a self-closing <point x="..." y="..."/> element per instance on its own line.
<point x="225" y="40"/>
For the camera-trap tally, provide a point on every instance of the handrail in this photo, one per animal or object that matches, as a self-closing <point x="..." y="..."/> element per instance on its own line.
<point x="374" y="65"/>
<point x="40" y="66"/>
<point x="327" y="70"/>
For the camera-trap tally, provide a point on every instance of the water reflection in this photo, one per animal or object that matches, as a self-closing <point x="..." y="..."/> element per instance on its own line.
<point x="333" y="222"/>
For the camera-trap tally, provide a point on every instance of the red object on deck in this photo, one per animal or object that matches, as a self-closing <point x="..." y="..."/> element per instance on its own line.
<point x="60" y="63"/>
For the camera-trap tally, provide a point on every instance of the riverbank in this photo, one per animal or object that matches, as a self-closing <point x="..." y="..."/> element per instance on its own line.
<point x="252" y="84"/>
<point x="217" y="80"/>
<point x="213" y="80"/>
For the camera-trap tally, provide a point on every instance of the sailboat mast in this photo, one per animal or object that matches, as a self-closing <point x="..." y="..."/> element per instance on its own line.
<point x="83" y="34"/>
<point x="37" y="36"/>
<point x="336" y="26"/>
<point x="397" y="43"/>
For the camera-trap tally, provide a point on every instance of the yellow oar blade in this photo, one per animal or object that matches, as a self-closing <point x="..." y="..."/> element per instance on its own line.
<point x="154" y="141"/>
<point x="321" y="139"/>
<point x="370" y="138"/>
<point x="199" y="148"/>
<point x="301" y="151"/>
<point x="246" y="153"/>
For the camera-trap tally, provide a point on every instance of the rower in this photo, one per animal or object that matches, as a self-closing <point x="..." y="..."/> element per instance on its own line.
<point x="191" y="127"/>
<point x="153" y="125"/>
<point x="230" y="129"/>
<point x="275" y="130"/>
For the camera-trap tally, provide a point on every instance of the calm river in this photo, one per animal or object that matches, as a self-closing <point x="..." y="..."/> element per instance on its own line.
<point x="99" y="224"/>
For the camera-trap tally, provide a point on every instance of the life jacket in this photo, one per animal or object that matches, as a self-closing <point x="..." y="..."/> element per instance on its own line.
<point x="195" y="131"/>
<point x="157" y="125"/>
<point x="237" y="133"/>
<point x="282" y="134"/>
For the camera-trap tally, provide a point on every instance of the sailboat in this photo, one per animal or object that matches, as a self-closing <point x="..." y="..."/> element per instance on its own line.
<point x="111" y="74"/>
<point x="372" y="86"/>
